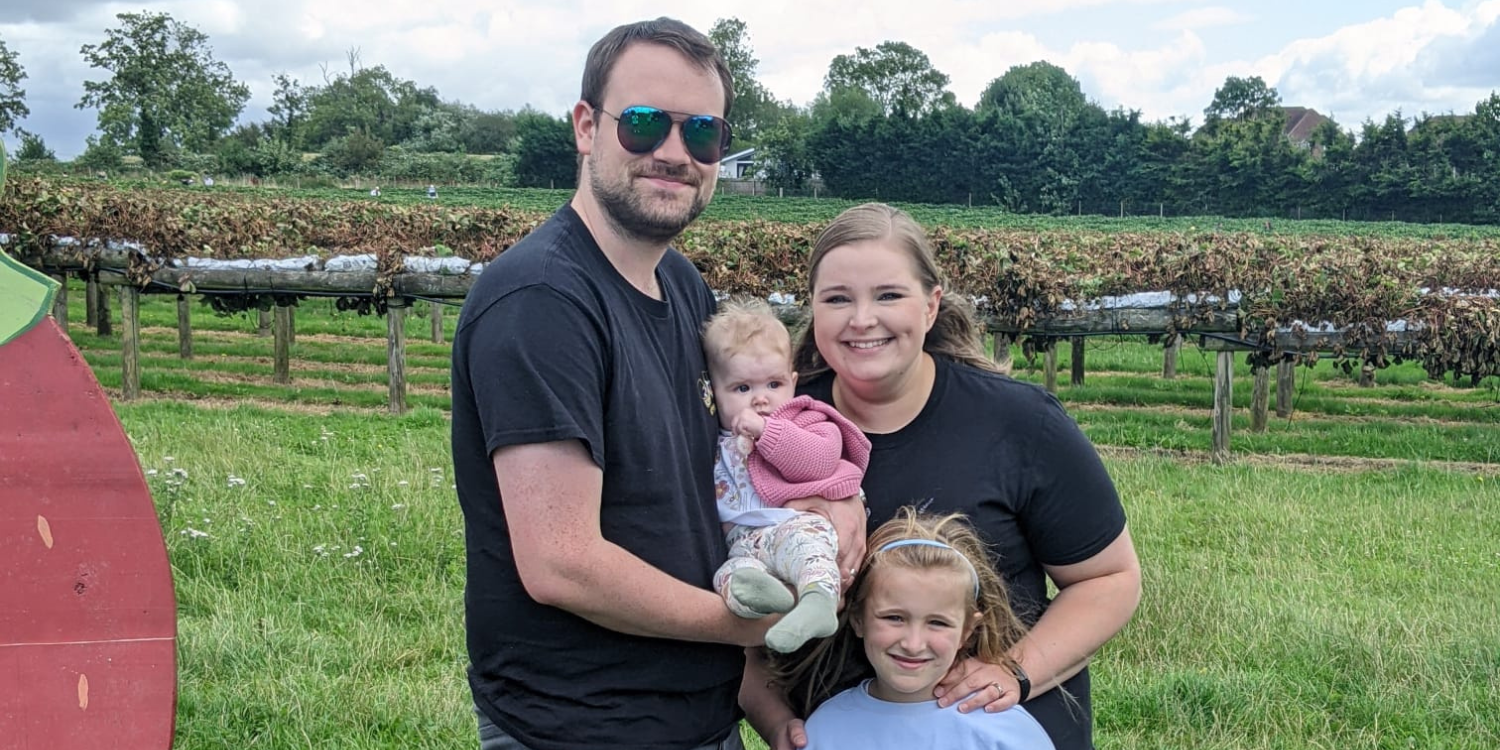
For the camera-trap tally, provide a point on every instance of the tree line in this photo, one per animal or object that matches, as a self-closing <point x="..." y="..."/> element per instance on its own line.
<point x="884" y="126"/>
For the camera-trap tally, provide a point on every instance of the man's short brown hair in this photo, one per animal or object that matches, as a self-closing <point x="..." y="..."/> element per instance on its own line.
<point x="667" y="32"/>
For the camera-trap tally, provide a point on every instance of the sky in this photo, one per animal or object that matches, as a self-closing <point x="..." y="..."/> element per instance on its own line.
<point x="1349" y="60"/>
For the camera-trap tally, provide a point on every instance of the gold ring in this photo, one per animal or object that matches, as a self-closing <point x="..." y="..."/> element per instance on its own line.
<point x="998" y="690"/>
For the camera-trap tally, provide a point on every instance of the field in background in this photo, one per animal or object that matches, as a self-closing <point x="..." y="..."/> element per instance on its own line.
<point x="728" y="206"/>
<point x="1331" y="589"/>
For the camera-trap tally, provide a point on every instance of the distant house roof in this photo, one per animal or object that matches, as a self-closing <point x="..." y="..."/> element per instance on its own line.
<point x="738" y="155"/>
<point x="1300" y="123"/>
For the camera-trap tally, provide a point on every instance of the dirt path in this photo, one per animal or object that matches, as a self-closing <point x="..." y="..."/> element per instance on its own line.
<point x="302" y="365"/>
<point x="314" y="338"/>
<point x="1303" y="461"/>
<point x="1297" y="416"/>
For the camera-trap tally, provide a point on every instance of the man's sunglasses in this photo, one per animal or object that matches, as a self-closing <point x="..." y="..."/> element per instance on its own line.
<point x="643" y="129"/>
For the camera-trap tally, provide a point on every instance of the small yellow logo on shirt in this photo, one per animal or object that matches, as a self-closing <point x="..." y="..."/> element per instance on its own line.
<point x="708" y="393"/>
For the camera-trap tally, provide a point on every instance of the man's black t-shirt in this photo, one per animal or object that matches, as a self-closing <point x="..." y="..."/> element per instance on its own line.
<point x="553" y="344"/>
<point x="1007" y="455"/>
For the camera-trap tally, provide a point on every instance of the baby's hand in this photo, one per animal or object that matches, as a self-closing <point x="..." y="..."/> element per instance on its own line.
<point x="749" y="424"/>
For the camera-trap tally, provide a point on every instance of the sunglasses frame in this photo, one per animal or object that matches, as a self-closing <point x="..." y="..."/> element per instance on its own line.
<point x="625" y="131"/>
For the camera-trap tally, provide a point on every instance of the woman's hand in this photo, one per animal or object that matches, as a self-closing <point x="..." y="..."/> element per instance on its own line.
<point x="980" y="685"/>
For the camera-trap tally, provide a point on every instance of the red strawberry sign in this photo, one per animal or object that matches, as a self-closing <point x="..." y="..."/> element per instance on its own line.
<point x="88" y="627"/>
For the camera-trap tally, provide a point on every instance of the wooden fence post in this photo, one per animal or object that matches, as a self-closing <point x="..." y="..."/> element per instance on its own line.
<point x="263" y="327"/>
<point x="184" y="327"/>
<point x="437" y="322"/>
<point x="1286" y="384"/>
<point x="60" y="304"/>
<point x="105" y="325"/>
<point x="130" y="340"/>
<point x="1077" y="360"/>
<point x="1260" y="397"/>
<point x="1169" y="357"/>
<point x="282" y="371"/>
<point x="91" y="301"/>
<point x="1001" y="353"/>
<point x="1366" y="375"/>
<point x="395" y="344"/>
<point x="1049" y="365"/>
<point x="1223" y="405"/>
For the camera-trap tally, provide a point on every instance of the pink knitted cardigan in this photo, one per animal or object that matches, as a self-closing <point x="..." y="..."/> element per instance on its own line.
<point x="808" y="449"/>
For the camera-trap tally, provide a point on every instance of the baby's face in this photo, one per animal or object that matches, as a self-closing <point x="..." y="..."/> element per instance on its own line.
<point x="762" y="381"/>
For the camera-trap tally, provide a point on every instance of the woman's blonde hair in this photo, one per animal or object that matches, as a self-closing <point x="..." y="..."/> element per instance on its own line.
<point x="955" y="335"/>
<point x="824" y="668"/>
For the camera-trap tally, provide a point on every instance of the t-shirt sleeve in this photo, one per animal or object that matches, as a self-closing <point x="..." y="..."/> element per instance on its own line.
<point x="1073" y="511"/>
<point x="537" y="367"/>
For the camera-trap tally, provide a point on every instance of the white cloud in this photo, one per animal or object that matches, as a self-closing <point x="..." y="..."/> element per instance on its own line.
<point x="1371" y="69"/>
<point x="1203" y="18"/>
<point x="502" y="54"/>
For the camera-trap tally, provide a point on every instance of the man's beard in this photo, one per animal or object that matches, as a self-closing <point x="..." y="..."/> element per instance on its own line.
<point x="626" y="210"/>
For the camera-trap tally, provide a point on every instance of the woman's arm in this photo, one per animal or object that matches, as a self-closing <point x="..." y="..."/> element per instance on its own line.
<point x="766" y="708"/>
<point x="1095" y="599"/>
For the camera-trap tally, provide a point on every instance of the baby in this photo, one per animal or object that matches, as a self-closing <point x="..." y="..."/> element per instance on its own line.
<point x="774" y="447"/>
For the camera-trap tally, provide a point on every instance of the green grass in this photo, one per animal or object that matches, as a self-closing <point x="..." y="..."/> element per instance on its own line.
<point x="1283" y="608"/>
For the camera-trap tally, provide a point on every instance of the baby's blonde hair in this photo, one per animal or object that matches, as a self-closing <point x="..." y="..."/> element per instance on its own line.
<point x="743" y="324"/>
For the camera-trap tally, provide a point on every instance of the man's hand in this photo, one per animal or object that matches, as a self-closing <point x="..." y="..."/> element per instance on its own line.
<point x="849" y="521"/>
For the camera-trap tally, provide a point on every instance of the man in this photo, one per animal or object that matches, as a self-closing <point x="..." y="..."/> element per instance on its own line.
<point x="583" y="433"/>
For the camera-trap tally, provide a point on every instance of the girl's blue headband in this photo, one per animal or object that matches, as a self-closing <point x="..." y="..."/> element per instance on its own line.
<point x="940" y="545"/>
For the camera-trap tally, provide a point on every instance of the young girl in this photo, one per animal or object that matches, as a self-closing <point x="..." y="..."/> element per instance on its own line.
<point x="774" y="448"/>
<point x="926" y="597"/>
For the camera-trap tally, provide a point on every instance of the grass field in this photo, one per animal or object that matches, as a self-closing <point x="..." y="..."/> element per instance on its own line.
<point x="1333" y="588"/>
<point x="729" y="206"/>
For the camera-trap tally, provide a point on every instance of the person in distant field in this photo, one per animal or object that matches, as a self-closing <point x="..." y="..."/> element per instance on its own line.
<point x="583" y="434"/>
<point x="432" y="192"/>
<point x="774" y="447"/>
<point x="927" y="599"/>
<point x="208" y="181"/>
<point x="893" y="351"/>
<point x="375" y="192"/>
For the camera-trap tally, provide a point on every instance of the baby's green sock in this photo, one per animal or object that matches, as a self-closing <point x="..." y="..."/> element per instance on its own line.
<point x="815" y="616"/>
<point x="757" y="593"/>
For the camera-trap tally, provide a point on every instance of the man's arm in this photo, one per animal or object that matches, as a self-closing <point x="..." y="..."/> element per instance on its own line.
<point x="551" y="493"/>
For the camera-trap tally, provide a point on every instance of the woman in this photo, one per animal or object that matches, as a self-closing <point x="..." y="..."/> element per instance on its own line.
<point x="951" y="434"/>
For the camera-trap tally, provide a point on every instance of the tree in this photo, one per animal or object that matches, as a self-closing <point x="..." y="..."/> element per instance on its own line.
<point x="1041" y="89"/>
<point x="783" y="154"/>
<point x="896" y="75"/>
<point x="12" y="96"/>
<point x="166" y="91"/>
<point x="371" y="100"/>
<point x="546" y="155"/>
<point x="1242" y="99"/>
<point x="754" y="108"/>
<point x="288" y="110"/>
<point x="33" y="148"/>
<point x="488" y="132"/>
